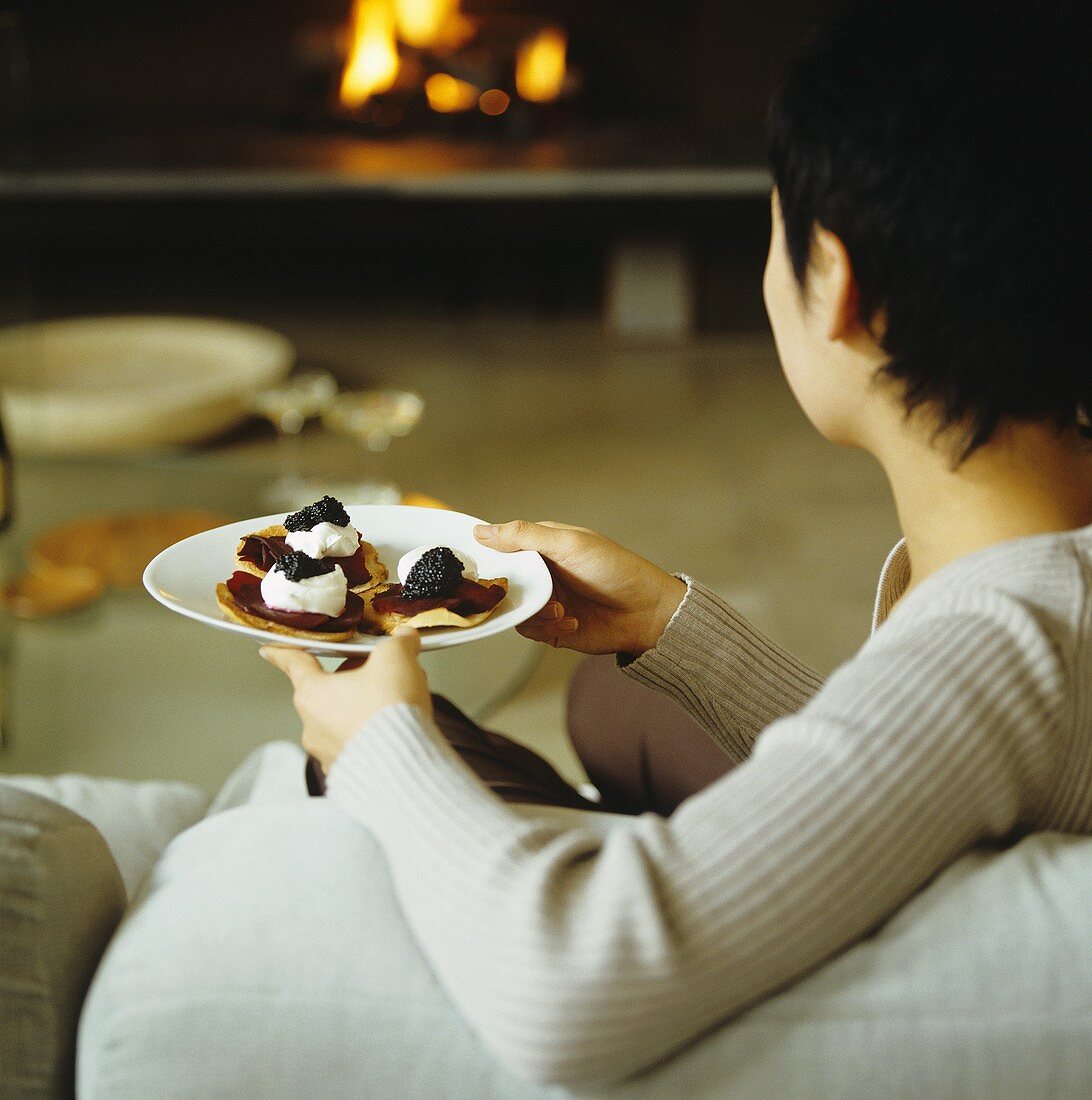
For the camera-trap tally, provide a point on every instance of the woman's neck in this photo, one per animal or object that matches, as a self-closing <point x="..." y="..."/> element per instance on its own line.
<point x="1028" y="480"/>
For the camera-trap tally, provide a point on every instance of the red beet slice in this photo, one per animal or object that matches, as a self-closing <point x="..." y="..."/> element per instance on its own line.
<point x="469" y="598"/>
<point x="265" y="551"/>
<point x="247" y="591"/>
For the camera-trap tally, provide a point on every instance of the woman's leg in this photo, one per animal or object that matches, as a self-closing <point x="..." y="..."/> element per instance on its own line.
<point x="639" y="748"/>
<point x="508" y="769"/>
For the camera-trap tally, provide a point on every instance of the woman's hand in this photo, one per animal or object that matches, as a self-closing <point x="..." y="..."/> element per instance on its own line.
<point x="606" y="598"/>
<point x="333" y="706"/>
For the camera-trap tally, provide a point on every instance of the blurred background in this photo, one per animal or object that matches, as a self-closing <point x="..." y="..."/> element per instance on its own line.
<point x="502" y="255"/>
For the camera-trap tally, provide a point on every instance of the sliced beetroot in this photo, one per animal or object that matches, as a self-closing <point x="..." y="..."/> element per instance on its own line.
<point x="356" y="568"/>
<point x="468" y="598"/>
<point x="247" y="592"/>
<point x="265" y="551"/>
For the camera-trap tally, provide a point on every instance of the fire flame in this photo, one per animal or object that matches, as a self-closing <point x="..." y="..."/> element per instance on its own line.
<point x="429" y="24"/>
<point x="540" y="66"/>
<point x="447" y="95"/>
<point x="372" y="64"/>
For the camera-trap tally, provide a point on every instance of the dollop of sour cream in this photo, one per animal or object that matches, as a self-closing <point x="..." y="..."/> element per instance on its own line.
<point x="322" y="595"/>
<point x="407" y="561"/>
<point x="325" y="540"/>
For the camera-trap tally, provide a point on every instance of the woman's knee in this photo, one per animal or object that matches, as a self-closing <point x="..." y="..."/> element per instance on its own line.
<point x="586" y="712"/>
<point x="638" y="747"/>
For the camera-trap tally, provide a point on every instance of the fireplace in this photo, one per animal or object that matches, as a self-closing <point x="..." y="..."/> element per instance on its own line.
<point x="618" y="142"/>
<point x="703" y="66"/>
<point x="424" y="64"/>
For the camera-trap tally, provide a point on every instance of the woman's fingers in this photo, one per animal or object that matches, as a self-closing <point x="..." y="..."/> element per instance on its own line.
<point x="562" y="526"/>
<point x="351" y="663"/>
<point x="408" y="638"/>
<point x="403" y="644"/>
<point x="548" y="630"/>
<point x="548" y="617"/>
<point x="300" y="667"/>
<point x="521" y="534"/>
<point x="294" y="663"/>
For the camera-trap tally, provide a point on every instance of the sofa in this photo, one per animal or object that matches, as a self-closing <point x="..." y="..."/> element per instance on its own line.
<point x="156" y="944"/>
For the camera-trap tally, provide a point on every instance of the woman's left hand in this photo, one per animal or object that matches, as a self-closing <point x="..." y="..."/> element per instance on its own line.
<point x="334" y="705"/>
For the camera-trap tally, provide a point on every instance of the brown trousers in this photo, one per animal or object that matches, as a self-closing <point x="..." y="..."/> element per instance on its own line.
<point x="642" y="752"/>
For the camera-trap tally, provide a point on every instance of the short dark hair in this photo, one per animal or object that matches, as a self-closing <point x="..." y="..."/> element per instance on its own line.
<point x="945" y="145"/>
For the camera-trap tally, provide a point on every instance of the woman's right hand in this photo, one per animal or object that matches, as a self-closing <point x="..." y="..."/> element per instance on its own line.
<point x="606" y="598"/>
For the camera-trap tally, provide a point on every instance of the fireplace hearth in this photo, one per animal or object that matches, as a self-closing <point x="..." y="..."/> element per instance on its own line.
<point x="636" y="147"/>
<point x="128" y="83"/>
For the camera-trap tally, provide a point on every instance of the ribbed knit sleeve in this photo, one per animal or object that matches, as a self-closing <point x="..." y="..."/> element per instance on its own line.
<point x="581" y="952"/>
<point x="726" y="674"/>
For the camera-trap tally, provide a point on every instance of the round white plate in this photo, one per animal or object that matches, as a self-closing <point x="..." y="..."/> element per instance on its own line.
<point x="184" y="576"/>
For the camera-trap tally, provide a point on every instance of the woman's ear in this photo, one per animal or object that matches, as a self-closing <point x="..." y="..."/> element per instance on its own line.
<point x="834" y="287"/>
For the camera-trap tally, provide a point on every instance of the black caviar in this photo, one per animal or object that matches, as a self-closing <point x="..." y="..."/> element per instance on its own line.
<point x="327" y="510"/>
<point x="298" y="566"/>
<point x="436" y="573"/>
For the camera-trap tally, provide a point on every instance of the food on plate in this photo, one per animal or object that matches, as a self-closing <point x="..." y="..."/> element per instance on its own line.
<point x="424" y="561"/>
<point x="439" y="587"/>
<point x="299" y="596"/>
<point x="323" y="532"/>
<point x="315" y="577"/>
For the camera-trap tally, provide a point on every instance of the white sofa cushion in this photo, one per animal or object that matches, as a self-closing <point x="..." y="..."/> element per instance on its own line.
<point x="137" y="819"/>
<point x="269" y="959"/>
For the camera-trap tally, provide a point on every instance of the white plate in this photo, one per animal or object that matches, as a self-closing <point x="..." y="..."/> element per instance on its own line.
<point x="184" y="576"/>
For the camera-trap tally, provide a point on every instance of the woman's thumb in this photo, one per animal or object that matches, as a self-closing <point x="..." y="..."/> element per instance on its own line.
<point x="407" y="638"/>
<point x="518" y="534"/>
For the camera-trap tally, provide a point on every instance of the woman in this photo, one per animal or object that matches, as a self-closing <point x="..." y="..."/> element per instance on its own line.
<point x="924" y="292"/>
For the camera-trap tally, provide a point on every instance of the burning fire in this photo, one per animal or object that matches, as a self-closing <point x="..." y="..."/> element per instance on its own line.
<point x="429" y="24"/>
<point x="446" y="94"/>
<point x="434" y="31"/>
<point x="372" y="64"/>
<point x="540" y="66"/>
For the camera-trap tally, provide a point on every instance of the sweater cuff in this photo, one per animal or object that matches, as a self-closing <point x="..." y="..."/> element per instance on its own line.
<point x="729" y="676"/>
<point x="658" y="667"/>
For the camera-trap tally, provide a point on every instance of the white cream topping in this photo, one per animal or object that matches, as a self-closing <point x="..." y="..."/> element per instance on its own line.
<point x="324" y="594"/>
<point x="408" y="561"/>
<point x="325" y="540"/>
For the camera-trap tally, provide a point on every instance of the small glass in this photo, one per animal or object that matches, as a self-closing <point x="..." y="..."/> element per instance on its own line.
<point x="288" y="406"/>
<point x="373" y="418"/>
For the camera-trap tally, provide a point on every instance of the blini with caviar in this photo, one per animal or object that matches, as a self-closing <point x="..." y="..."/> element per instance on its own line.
<point x="439" y="587"/>
<point x="300" y="597"/>
<point x="322" y="531"/>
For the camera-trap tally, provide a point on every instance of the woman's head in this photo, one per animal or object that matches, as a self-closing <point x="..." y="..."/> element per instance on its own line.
<point x="937" y="149"/>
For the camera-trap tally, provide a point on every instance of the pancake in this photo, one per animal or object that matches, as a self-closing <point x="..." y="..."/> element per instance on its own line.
<point x="232" y="605"/>
<point x="385" y="619"/>
<point x="365" y="559"/>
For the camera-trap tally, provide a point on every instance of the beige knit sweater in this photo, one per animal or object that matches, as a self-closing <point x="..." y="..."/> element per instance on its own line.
<point x="584" y="953"/>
